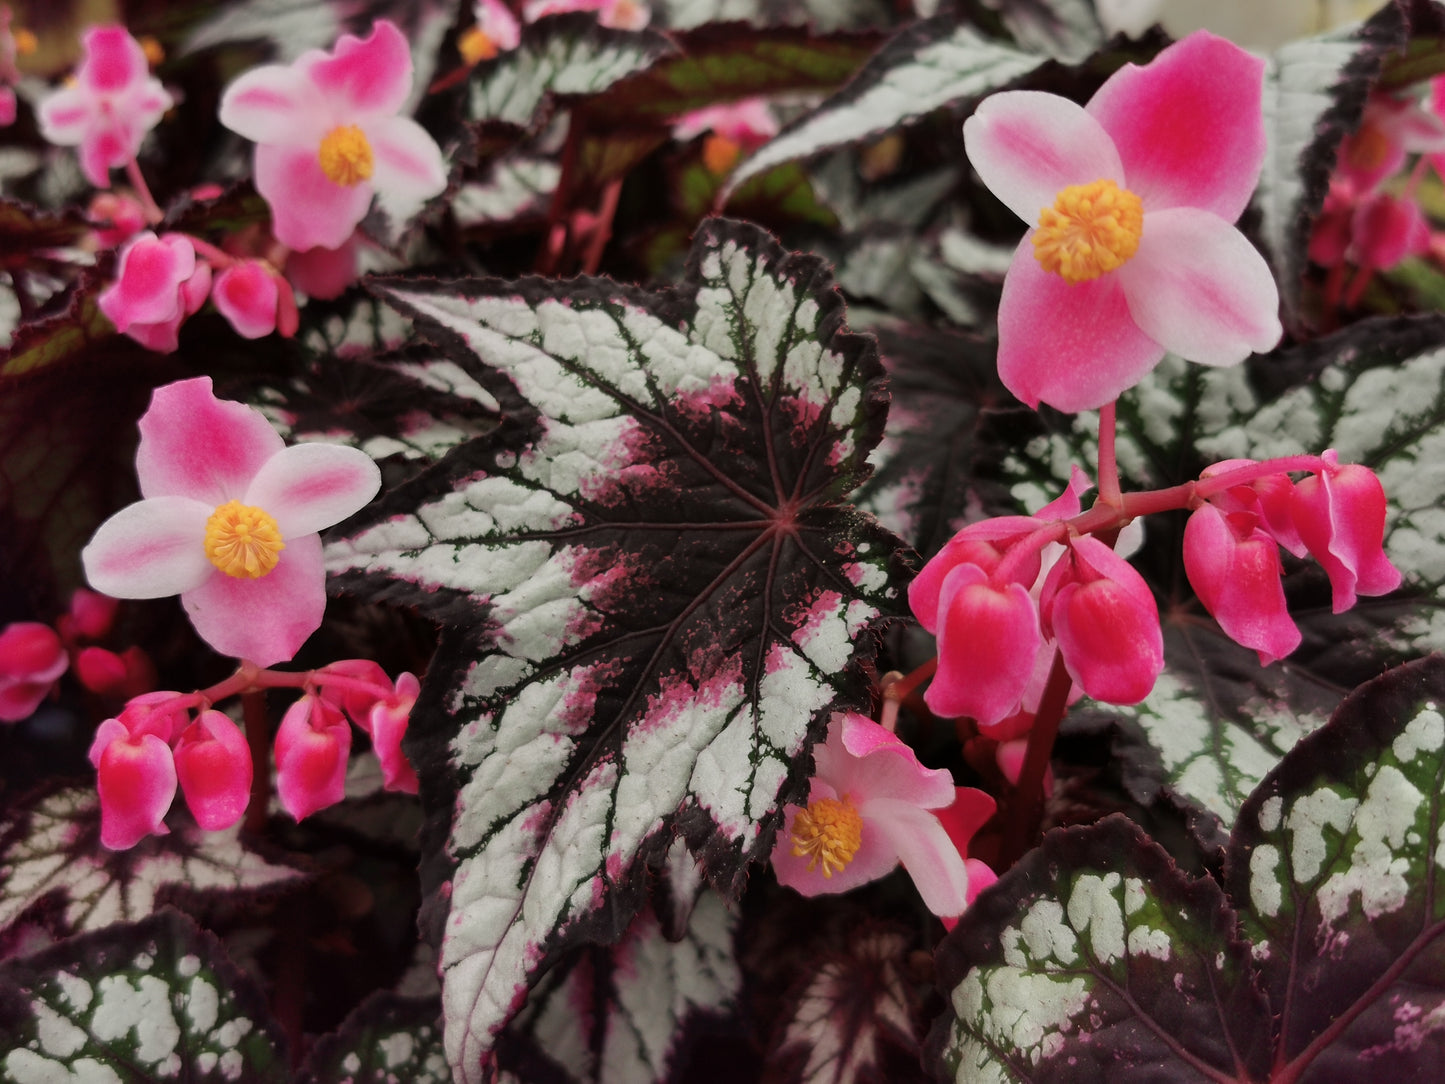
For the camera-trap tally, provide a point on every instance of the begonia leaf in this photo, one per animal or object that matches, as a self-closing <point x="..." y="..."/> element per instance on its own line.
<point x="1067" y="30"/>
<point x="823" y="15"/>
<point x="626" y="1012"/>
<point x="1335" y="867"/>
<point x="154" y="1000"/>
<point x="51" y="862"/>
<point x="1095" y="958"/>
<point x="722" y="62"/>
<point x="384" y="1040"/>
<point x="1314" y="95"/>
<point x="658" y="592"/>
<point x="932" y="64"/>
<point x="37" y="261"/>
<point x="855" y="1019"/>
<point x="561" y="56"/>
<point x="517" y="186"/>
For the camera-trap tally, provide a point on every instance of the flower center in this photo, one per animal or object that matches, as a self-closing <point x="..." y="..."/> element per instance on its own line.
<point x="720" y="154"/>
<point x="828" y="831"/>
<point x="243" y="541"/>
<point x="475" y="46"/>
<point x="345" y="155"/>
<point x="1090" y="229"/>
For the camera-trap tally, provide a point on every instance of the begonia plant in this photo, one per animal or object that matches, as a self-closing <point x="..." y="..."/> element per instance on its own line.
<point x="772" y="540"/>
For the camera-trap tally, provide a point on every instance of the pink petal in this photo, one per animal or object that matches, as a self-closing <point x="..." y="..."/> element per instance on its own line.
<point x="1340" y="513"/>
<point x="1189" y="125"/>
<point x="1386" y="229"/>
<point x="195" y="445"/>
<point x="875" y="858"/>
<point x="323" y="272"/>
<point x="275" y="103"/>
<point x="408" y="167"/>
<point x="1198" y="288"/>
<point x="356" y="702"/>
<point x="136" y="781"/>
<point x="113" y="60"/>
<point x="150" y="549"/>
<point x="980" y="877"/>
<point x="868" y="761"/>
<point x="213" y="763"/>
<point x="20" y="699"/>
<point x="312" y="744"/>
<point x="308" y="487"/>
<point x="1027" y="145"/>
<point x="246" y="294"/>
<point x="105" y="147"/>
<point x="365" y="75"/>
<point x="148" y="280"/>
<point x="1107" y="625"/>
<point x="65" y="116"/>
<point x="31" y="651"/>
<point x="982" y="544"/>
<point x="8" y="106"/>
<point x="1238" y="581"/>
<point x="925" y="850"/>
<point x="1073" y="346"/>
<point x="265" y="620"/>
<point x="387" y="725"/>
<point x="162" y="337"/>
<point x="970" y="810"/>
<point x="307" y="209"/>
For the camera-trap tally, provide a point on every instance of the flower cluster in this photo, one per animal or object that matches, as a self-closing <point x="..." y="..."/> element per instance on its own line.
<point x="495" y="29"/>
<point x="1232" y="543"/>
<point x="1130" y="252"/>
<point x="155" y="745"/>
<point x="871" y="805"/>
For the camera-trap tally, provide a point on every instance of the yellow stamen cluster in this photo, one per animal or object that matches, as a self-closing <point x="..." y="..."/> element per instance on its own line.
<point x="828" y="831"/>
<point x="155" y="52"/>
<point x="1091" y="229"/>
<point x="720" y="154"/>
<point x="346" y="156"/>
<point x="26" y="43"/>
<point x="475" y="46"/>
<point x="243" y="541"/>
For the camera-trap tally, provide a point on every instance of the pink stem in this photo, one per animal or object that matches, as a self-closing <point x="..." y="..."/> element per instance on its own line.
<point x="1109" y="491"/>
<point x="153" y="213"/>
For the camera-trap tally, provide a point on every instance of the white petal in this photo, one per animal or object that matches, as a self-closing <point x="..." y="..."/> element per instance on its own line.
<point x="151" y="549"/>
<point x="308" y="487"/>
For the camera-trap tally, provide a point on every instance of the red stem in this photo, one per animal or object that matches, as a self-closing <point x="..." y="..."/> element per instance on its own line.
<point x="1109" y="491"/>
<point x="153" y="213"/>
<point x="258" y="738"/>
<point x="602" y="232"/>
<point x="1027" y="807"/>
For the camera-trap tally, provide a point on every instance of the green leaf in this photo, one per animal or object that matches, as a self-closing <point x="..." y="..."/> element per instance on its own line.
<point x="157" y="1000"/>
<point x="384" y="1040"/>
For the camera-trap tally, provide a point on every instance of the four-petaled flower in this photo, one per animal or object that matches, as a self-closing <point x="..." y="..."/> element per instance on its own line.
<point x="1130" y="252"/>
<point x="871" y="805"/>
<point x="229" y="522"/>
<point x="112" y="104"/>
<point x="328" y="137"/>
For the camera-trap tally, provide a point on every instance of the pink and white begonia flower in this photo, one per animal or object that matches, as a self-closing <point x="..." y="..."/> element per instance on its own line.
<point x="9" y="73"/>
<point x="135" y="772"/>
<point x="255" y="300"/>
<point x="871" y="805"/>
<point x="312" y="744"/>
<point x="1390" y="128"/>
<point x="213" y="764"/>
<point x="32" y="658"/>
<point x="1340" y="514"/>
<point x="110" y="107"/>
<point x="1130" y="251"/>
<point x="229" y="521"/>
<point x="1232" y="562"/>
<point x="159" y="282"/>
<point x="494" y="31"/>
<point x="618" y="14"/>
<point x="328" y="138"/>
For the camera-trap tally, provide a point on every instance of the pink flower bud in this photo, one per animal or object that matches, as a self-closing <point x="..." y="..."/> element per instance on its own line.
<point x="1386" y="229"/>
<point x="213" y="763"/>
<point x="387" y="723"/>
<point x="1106" y="622"/>
<point x="988" y="637"/>
<point x="1234" y="568"/>
<point x="982" y="545"/>
<point x="158" y="284"/>
<point x="117" y="218"/>
<point x="312" y="744"/>
<point x="1340" y="513"/>
<point x="356" y="702"/>
<point x="91" y="614"/>
<point x="324" y="273"/>
<point x="136" y="781"/>
<point x="1270" y="499"/>
<point x="249" y="295"/>
<point x="32" y="659"/>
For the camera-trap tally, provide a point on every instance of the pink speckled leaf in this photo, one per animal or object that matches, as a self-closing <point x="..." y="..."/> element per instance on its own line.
<point x="659" y="596"/>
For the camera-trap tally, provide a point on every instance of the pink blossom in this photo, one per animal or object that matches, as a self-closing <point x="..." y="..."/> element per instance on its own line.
<point x="496" y="30"/>
<point x="1130" y="251"/>
<point x="1385" y="230"/>
<point x="871" y="805"/>
<point x="136" y="773"/>
<point x="9" y="73"/>
<point x="229" y="521"/>
<point x="1106" y="623"/>
<point x="32" y="658"/>
<point x="107" y="673"/>
<point x="159" y="283"/>
<point x="312" y="744"/>
<point x="117" y="218"/>
<point x="1233" y="565"/>
<point x="328" y="138"/>
<point x="112" y="104"/>
<point x="618" y="14"/>
<point x="1390" y="128"/>
<point x="255" y="300"/>
<point x="382" y="712"/>
<point x="1340" y="513"/>
<point x="90" y="616"/>
<point x="213" y="763"/>
<point x="747" y="122"/>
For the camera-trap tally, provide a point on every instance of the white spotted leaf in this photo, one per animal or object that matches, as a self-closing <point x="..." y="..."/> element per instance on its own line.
<point x="54" y="870"/>
<point x="384" y="1040"/>
<point x="155" y="1000"/>
<point x="657" y="594"/>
